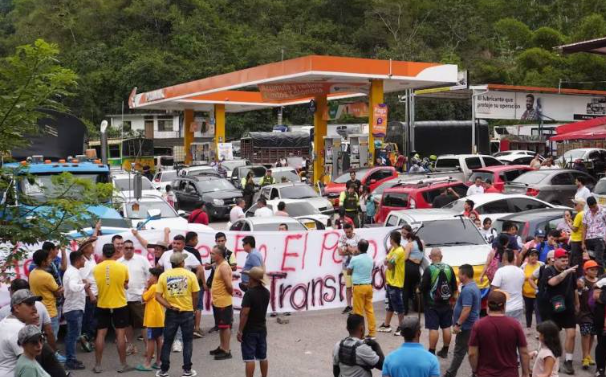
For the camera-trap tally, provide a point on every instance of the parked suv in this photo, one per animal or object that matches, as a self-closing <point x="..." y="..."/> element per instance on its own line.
<point x="371" y="177"/>
<point x="217" y="194"/>
<point x="419" y="194"/>
<point x="465" y="162"/>
<point x="499" y="175"/>
<point x="551" y="185"/>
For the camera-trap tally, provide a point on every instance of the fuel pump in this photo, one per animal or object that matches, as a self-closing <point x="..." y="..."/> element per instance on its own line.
<point x="358" y="146"/>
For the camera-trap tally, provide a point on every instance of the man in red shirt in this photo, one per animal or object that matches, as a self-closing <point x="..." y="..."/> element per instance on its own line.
<point x="496" y="341"/>
<point x="488" y="187"/>
<point x="468" y="209"/>
<point x="198" y="215"/>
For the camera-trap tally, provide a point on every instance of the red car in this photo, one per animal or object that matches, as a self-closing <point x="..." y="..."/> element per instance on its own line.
<point x="371" y="177"/>
<point x="420" y="194"/>
<point x="499" y="175"/>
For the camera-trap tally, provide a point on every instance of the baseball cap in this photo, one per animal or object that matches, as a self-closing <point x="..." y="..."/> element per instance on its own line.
<point x="24" y="295"/>
<point x="161" y="244"/>
<point x="539" y="233"/>
<point x="28" y="333"/>
<point x="497" y="298"/>
<point x="590" y="264"/>
<point x="560" y="253"/>
<point x="178" y="257"/>
<point x="256" y="273"/>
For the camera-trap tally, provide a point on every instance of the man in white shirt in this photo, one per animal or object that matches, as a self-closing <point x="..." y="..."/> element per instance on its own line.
<point x="476" y="188"/>
<point x="73" y="307"/>
<point x="582" y="191"/>
<point x="138" y="273"/>
<point x="237" y="212"/>
<point x="262" y="210"/>
<point x="510" y="279"/>
<point x="89" y="322"/>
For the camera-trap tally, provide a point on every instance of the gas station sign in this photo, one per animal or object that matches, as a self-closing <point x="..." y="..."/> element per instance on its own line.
<point x="379" y="125"/>
<point x="289" y="91"/>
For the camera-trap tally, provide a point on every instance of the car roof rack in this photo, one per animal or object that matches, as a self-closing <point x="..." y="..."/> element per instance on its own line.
<point x="428" y="181"/>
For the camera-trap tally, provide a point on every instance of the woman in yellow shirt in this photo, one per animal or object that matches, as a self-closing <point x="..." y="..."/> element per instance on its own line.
<point x="153" y="321"/>
<point x="529" y="289"/>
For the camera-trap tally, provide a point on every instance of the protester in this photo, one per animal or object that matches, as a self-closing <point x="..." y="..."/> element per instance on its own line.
<point x="354" y="357"/>
<point x="496" y="341"/>
<point x="73" y="307"/>
<point x="341" y="220"/>
<point x="221" y="293"/>
<point x="510" y="279"/>
<point x="468" y="209"/>
<point x="529" y="290"/>
<point x="489" y="188"/>
<point x="414" y="249"/>
<point x="548" y="357"/>
<point x="394" y="282"/>
<point x="252" y="331"/>
<point x="159" y="247"/>
<point x="262" y="209"/>
<point x="535" y="163"/>
<point x="411" y="359"/>
<point x="198" y="215"/>
<point x="583" y="192"/>
<point x="438" y="286"/>
<point x="594" y="229"/>
<point x="89" y="322"/>
<point x="220" y="240"/>
<point x="354" y="180"/>
<point x="585" y="317"/>
<point x="558" y="300"/>
<point x="365" y="197"/>
<point x="466" y="313"/>
<point x="565" y="225"/>
<point x="576" y="237"/>
<point x="112" y="280"/>
<point x="476" y="188"/>
<point x="447" y="195"/>
<point x="281" y="210"/>
<point x="488" y="231"/>
<point x="599" y="295"/>
<point x="191" y="243"/>
<point x="493" y="260"/>
<point x="177" y="290"/>
<point x="237" y="212"/>
<point x="348" y="246"/>
<point x="360" y="270"/>
<point x="118" y="243"/>
<point x="153" y="321"/>
<point x="349" y="200"/>
<point x="31" y="340"/>
<point x="169" y="196"/>
<point x="138" y="271"/>
<point x="253" y="259"/>
<point x="283" y="227"/>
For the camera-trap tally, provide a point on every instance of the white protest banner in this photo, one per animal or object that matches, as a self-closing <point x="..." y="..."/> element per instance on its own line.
<point x="304" y="269"/>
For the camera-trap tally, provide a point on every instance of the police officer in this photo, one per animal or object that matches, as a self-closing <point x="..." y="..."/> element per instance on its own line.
<point x="353" y="356"/>
<point x="267" y="179"/>
<point x="350" y="201"/>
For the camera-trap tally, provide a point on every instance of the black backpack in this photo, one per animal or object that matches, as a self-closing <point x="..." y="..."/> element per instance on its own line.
<point x="441" y="290"/>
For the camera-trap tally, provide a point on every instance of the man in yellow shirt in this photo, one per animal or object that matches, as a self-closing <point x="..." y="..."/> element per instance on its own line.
<point x="112" y="281"/>
<point x="576" y="236"/>
<point x="43" y="284"/>
<point x="177" y="291"/>
<point x="221" y="291"/>
<point x="394" y="282"/>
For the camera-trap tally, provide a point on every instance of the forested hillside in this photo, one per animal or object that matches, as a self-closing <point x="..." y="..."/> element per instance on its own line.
<point x="115" y="45"/>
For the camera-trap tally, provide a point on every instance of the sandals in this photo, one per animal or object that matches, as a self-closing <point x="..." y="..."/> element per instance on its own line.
<point x="97" y="369"/>
<point x="125" y="368"/>
<point x="143" y="368"/>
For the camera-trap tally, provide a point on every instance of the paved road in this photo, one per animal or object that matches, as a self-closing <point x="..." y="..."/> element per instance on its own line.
<point x="301" y="348"/>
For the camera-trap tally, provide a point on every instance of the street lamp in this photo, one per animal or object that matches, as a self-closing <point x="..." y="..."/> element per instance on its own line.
<point x="104" y="125"/>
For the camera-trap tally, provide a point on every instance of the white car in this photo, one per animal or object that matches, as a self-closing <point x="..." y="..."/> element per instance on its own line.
<point x="267" y="224"/>
<point x="297" y="208"/>
<point x="296" y="191"/>
<point x="232" y="164"/>
<point x="195" y="171"/>
<point x="287" y="173"/>
<point x="516" y="157"/>
<point x="496" y="206"/>
<point x="162" y="215"/>
<point x="163" y="178"/>
<point x="124" y="183"/>
<point x="599" y="191"/>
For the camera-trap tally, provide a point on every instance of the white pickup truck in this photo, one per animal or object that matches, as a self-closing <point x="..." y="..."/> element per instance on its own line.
<point x="465" y="163"/>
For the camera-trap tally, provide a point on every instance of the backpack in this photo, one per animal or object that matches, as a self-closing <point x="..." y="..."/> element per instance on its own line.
<point x="347" y="354"/>
<point x="441" y="276"/>
<point x="492" y="267"/>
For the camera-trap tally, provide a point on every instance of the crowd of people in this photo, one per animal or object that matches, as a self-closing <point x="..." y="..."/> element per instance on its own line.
<point x="158" y="301"/>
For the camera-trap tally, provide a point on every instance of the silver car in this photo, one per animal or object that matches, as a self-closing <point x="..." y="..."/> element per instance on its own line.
<point x="556" y="186"/>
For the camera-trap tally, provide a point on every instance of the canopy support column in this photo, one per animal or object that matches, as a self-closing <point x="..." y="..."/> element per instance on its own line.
<point x="219" y="127"/>
<point x="375" y="97"/>
<point x="188" y="134"/>
<point x="320" y="130"/>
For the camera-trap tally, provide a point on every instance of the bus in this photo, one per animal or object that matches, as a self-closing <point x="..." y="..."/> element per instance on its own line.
<point x="129" y="154"/>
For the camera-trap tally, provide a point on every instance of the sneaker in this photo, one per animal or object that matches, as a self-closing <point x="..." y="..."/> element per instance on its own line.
<point x="85" y="344"/>
<point x="600" y="373"/>
<point x="189" y="373"/>
<point x="397" y="332"/>
<point x="177" y="346"/>
<point x="591" y="361"/>
<point x="567" y="367"/>
<point x="60" y="358"/>
<point x="216" y="351"/>
<point x="384" y="328"/>
<point x="347" y="310"/>
<point x="443" y="353"/>
<point x="198" y="334"/>
<point x="223" y="355"/>
<point x="74" y="365"/>
<point x="125" y="368"/>
<point x="162" y="373"/>
<point x="585" y="363"/>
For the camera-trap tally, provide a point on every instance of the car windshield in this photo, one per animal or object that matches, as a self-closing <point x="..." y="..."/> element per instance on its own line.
<point x="458" y="205"/>
<point x="600" y="187"/>
<point x="42" y="185"/>
<point x="215" y="185"/>
<point x="298" y="192"/>
<point x="345" y="177"/>
<point x="126" y="184"/>
<point x="231" y="165"/>
<point x="301" y="209"/>
<point x="258" y="171"/>
<point x="574" y="154"/>
<point x="449" y="163"/>
<point x="142" y="213"/>
<point x="385" y="185"/>
<point x="498" y="225"/>
<point x="198" y="172"/>
<point x="532" y="177"/>
<point x="168" y="176"/>
<point x="450" y="232"/>
<point x="501" y="154"/>
<point x="286" y="176"/>
<point x="292" y="226"/>
<point x="484" y="175"/>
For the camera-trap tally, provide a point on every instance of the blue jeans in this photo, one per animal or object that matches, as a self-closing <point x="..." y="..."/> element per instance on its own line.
<point x="74" y="326"/>
<point x="55" y="325"/>
<point x="89" y="322"/>
<point x="174" y="321"/>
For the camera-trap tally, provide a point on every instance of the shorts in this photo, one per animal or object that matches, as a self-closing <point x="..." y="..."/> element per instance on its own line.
<point x="587" y="329"/>
<point x="118" y="317"/>
<point x="394" y="299"/>
<point x="438" y="317"/>
<point x="200" y="303"/>
<point x="564" y="320"/>
<point x="136" y="312"/>
<point x="224" y="317"/>
<point x="254" y="346"/>
<point x="154" y="333"/>
<point x="347" y="278"/>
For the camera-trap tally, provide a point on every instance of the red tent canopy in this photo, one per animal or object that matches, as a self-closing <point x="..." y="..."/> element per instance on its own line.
<point x="579" y="126"/>
<point x="598" y="132"/>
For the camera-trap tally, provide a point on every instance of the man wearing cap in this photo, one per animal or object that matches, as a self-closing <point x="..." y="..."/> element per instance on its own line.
<point x="31" y="339"/>
<point x="594" y="229"/>
<point x="496" y="341"/>
<point x="585" y="316"/>
<point x="177" y="291"/>
<point x="159" y="247"/>
<point x="411" y="359"/>
<point x="510" y="279"/>
<point x="558" y="301"/>
<point x="112" y="281"/>
<point x="576" y="236"/>
<point x="252" y="332"/>
<point x="222" y="291"/>
<point x="354" y="357"/>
